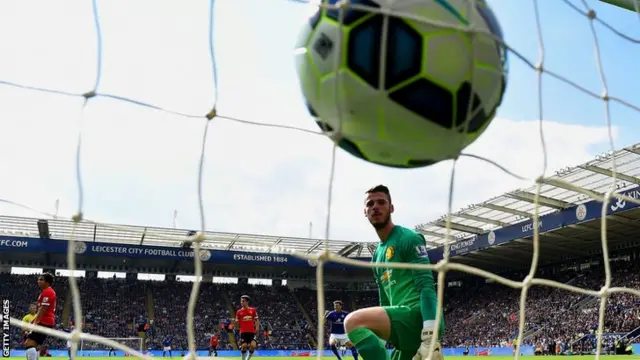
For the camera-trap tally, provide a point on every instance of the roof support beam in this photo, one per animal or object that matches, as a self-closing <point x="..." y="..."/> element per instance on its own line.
<point x="543" y="200"/>
<point x="232" y="243"/>
<point x="480" y="219"/>
<point x="609" y="173"/>
<point x="315" y="246"/>
<point x="632" y="150"/>
<point x="349" y="249"/>
<point x="275" y="244"/>
<point x="144" y="233"/>
<point x="507" y="210"/>
<point x="460" y="227"/>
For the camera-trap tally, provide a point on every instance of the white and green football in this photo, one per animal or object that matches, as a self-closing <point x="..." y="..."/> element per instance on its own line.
<point x="402" y="91"/>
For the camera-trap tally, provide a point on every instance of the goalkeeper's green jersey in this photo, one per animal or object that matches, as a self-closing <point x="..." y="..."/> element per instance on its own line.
<point x="404" y="287"/>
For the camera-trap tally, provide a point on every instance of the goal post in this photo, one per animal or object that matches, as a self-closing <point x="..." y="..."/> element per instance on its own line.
<point x="633" y="5"/>
<point x="130" y="342"/>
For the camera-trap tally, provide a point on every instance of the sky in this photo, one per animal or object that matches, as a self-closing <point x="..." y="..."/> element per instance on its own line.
<point x="139" y="165"/>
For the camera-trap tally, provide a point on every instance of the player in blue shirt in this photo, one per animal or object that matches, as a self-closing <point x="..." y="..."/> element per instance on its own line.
<point x="338" y="336"/>
<point x="166" y="345"/>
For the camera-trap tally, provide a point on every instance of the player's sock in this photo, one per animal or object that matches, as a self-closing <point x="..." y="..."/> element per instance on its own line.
<point x="334" y="350"/>
<point x="368" y="344"/>
<point x="69" y="352"/>
<point x="31" y="353"/>
<point x="354" y="352"/>
<point x="250" y="354"/>
<point x="244" y="354"/>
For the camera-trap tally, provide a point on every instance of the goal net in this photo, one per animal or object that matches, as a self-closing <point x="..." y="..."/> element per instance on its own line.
<point x="96" y="62"/>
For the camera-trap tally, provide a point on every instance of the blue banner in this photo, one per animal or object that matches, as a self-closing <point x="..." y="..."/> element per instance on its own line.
<point x="576" y="214"/>
<point x="484" y="351"/>
<point x="36" y="245"/>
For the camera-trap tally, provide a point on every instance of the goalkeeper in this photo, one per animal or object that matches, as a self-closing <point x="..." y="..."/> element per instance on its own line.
<point x="408" y="301"/>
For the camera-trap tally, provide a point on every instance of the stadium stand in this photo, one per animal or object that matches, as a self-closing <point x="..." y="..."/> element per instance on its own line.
<point x="480" y="315"/>
<point x="495" y="236"/>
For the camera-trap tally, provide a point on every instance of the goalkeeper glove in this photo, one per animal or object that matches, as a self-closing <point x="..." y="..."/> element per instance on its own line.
<point x="425" y="346"/>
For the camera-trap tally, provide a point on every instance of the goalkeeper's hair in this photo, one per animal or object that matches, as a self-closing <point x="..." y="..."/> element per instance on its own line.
<point x="380" y="189"/>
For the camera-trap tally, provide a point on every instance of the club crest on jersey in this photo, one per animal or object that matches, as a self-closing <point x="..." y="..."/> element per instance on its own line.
<point x="386" y="275"/>
<point x="389" y="253"/>
<point x="421" y="251"/>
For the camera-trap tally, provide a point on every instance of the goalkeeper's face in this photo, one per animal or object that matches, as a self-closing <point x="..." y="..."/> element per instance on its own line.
<point x="378" y="209"/>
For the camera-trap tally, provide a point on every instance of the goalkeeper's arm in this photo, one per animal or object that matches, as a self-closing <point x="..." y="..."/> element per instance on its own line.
<point x="416" y="253"/>
<point x="423" y="279"/>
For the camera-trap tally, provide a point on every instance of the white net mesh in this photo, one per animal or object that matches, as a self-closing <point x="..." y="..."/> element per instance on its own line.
<point x="582" y="8"/>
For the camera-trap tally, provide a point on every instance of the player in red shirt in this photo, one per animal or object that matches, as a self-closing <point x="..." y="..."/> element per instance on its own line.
<point x="213" y="344"/>
<point x="45" y="316"/>
<point x="247" y="320"/>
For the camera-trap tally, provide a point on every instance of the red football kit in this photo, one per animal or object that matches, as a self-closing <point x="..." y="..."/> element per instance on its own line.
<point x="246" y="318"/>
<point x="47" y="299"/>
<point x="214" y="340"/>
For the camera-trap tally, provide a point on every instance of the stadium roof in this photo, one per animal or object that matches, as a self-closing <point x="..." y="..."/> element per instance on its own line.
<point x="518" y="206"/>
<point x="156" y="236"/>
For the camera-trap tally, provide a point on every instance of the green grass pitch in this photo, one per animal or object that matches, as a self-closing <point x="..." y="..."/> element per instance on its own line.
<point x="589" y="357"/>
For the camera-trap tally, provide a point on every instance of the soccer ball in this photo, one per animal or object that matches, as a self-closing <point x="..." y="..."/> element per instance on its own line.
<point x="412" y="96"/>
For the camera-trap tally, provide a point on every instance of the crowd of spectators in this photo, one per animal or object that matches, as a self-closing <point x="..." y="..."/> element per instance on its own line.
<point x="554" y="318"/>
<point x="486" y="314"/>
<point x="112" y="305"/>
<point x="22" y="290"/>
<point x="170" y="310"/>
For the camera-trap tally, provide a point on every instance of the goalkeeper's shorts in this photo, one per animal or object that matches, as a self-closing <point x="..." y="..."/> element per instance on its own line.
<point x="406" y="328"/>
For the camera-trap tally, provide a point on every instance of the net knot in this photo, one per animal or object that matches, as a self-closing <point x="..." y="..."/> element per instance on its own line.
<point x="441" y="265"/>
<point x="591" y="14"/>
<point x="76" y="335"/>
<point x="77" y="217"/>
<point x="89" y="95"/>
<point x="212" y="114"/>
<point x="342" y="4"/>
<point x="198" y="237"/>
<point x="324" y="256"/>
<point x="526" y="282"/>
<point x="604" y="291"/>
